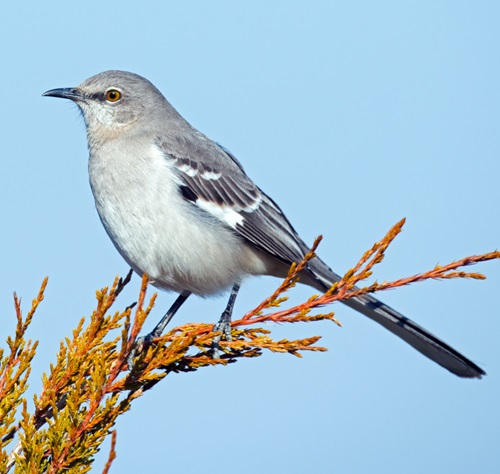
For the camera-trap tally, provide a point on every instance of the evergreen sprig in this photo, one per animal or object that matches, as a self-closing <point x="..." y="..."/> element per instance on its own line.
<point x="90" y="385"/>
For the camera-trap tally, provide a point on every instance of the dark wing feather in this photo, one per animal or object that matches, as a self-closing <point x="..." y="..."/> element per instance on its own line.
<point x="268" y="229"/>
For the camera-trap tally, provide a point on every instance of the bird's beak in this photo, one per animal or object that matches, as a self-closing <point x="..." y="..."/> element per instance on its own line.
<point x="71" y="93"/>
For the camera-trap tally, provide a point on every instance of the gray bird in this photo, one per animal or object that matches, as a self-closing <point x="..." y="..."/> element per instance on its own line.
<point x="180" y="208"/>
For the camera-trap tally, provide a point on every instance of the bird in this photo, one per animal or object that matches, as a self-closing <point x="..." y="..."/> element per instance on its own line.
<point x="180" y="208"/>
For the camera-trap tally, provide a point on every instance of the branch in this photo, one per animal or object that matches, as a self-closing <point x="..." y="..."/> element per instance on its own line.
<point x="89" y="385"/>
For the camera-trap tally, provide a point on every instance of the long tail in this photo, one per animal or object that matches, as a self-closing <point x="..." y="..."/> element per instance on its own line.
<point x="415" y="335"/>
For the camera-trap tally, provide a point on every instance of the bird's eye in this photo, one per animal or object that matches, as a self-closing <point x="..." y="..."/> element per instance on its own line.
<point x="113" y="95"/>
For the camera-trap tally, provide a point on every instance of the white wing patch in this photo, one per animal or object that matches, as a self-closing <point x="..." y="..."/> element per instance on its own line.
<point x="187" y="169"/>
<point x="226" y="214"/>
<point x="211" y="175"/>
<point x="254" y="206"/>
<point x="230" y="215"/>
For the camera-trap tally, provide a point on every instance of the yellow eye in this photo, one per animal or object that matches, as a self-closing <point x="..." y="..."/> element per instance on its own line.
<point x="113" y="95"/>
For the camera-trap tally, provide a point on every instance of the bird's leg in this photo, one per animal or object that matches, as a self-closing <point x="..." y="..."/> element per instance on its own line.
<point x="224" y="324"/>
<point x="160" y="327"/>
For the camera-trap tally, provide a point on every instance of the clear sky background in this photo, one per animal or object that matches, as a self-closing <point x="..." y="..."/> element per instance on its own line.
<point x="351" y="115"/>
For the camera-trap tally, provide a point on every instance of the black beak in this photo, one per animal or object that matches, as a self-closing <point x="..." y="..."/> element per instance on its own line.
<point x="70" y="93"/>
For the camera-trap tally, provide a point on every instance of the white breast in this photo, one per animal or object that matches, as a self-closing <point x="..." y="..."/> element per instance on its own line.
<point x="156" y="230"/>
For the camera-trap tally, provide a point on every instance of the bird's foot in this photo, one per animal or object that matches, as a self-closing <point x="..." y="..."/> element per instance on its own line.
<point x="142" y="343"/>
<point x="224" y="327"/>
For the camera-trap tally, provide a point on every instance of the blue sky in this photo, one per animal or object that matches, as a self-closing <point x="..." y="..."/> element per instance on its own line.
<point x="351" y="115"/>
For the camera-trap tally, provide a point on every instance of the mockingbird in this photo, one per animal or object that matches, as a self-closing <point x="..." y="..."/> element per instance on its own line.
<point x="180" y="208"/>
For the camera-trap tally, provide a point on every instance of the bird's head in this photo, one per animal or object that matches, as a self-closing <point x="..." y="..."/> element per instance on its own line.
<point x="113" y="101"/>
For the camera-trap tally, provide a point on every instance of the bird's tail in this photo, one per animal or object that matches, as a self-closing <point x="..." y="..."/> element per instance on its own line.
<point x="415" y="335"/>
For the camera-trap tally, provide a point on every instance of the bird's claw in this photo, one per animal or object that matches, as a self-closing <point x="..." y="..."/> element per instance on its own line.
<point x="224" y="327"/>
<point x="141" y="344"/>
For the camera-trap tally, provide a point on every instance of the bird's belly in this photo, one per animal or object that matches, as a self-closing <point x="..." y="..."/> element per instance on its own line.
<point x="179" y="254"/>
<point x="179" y="251"/>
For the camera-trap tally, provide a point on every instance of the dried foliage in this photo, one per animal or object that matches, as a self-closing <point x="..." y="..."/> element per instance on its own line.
<point x="90" y="384"/>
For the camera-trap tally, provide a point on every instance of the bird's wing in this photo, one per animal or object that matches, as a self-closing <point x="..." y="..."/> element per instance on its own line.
<point x="214" y="180"/>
